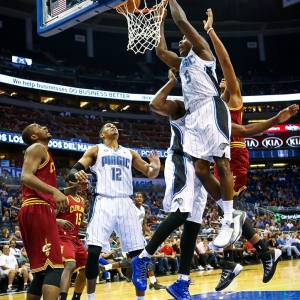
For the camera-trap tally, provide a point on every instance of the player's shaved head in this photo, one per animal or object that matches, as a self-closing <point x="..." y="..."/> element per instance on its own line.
<point x="27" y="133"/>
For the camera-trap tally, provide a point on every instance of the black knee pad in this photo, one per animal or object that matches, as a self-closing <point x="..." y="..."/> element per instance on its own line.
<point x="150" y="268"/>
<point x="52" y="277"/>
<point x="247" y="230"/>
<point x="91" y="268"/>
<point x="36" y="286"/>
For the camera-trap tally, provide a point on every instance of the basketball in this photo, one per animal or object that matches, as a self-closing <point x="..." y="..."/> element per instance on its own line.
<point x="130" y="6"/>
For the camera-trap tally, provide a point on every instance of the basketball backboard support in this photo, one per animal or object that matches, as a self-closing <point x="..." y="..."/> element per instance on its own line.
<point x="54" y="16"/>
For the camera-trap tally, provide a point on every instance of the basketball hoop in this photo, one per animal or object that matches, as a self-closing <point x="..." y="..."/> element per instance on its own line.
<point x="143" y="24"/>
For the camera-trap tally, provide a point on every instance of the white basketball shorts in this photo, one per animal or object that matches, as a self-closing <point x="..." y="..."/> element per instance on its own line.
<point x="208" y="129"/>
<point x="183" y="190"/>
<point x="117" y="214"/>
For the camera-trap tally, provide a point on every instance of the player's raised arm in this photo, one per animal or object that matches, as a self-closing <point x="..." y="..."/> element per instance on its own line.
<point x="160" y="104"/>
<point x="256" y="128"/>
<point x="77" y="173"/>
<point x="151" y="170"/>
<point x="231" y="81"/>
<point x="200" y="46"/>
<point x="170" y="58"/>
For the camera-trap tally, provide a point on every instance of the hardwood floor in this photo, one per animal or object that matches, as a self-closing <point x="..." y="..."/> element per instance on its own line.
<point x="286" y="278"/>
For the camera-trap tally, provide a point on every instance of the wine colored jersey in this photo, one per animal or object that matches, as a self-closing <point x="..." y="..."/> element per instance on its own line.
<point x="236" y="118"/>
<point x="74" y="215"/>
<point x="46" y="173"/>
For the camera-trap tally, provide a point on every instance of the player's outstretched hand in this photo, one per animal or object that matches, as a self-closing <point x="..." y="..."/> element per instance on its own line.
<point x="209" y="23"/>
<point x="65" y="224"/>
<point x="81" y="176"/>
<point x="172" y="75"/>
<point x="60" y="200"/>
<point x="287" y="113"/>
<point x="154" y="160"/>
<point x="82" y="185"/>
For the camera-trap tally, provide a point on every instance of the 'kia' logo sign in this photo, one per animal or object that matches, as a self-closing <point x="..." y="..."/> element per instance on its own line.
<point x="272" y="142"/>
<point x="293" y="141"/>
<point x="251" y="143"/>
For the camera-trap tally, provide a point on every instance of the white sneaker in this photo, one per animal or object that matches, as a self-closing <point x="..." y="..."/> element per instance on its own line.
<point x="239" y="218"/>
<point x="201" y="268"/>
<point x="224" y="237"/>
<point x="209" y="267"/>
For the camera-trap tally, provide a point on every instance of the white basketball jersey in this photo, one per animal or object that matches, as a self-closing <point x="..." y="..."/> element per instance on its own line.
<point x="177" y="136"/>
<point x="198" y="79"/>
<point x="141" y="214"/>
<point x="112" y="171"/>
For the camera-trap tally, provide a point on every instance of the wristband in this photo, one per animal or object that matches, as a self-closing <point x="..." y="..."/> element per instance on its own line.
<point x="209" y="30"/>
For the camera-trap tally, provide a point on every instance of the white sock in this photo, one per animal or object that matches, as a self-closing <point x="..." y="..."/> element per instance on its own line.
<point x="220" y="203"/>
<point x="183" y="277"/>
<point x="140" y="298"/>
<point x="9" y="286"/>
<point x="145" y="254"/>
<point x="90" y="296"/>
<point x="108" y="267"/>
<point x="152" y="279"/>
<point x="228" y="209"/>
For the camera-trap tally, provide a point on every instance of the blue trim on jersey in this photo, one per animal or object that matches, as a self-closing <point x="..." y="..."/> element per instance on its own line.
<point x="213" y="83"/>
<point x="173" y="183"/>
<point x="216" y="119"/>
<point x="119" y="147"/>
<point x="92" y="209"/>
<point x="179" y="129"/>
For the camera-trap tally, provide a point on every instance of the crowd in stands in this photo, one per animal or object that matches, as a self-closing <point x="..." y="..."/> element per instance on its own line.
<point x="267" y="189"/>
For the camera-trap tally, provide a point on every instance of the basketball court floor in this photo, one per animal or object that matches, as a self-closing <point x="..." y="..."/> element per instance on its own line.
<point x="285" y="285"/>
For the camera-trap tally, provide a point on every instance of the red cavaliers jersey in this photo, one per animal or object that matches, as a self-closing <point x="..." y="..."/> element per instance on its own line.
<point x="236" y="118"/>
<point x="73" y="215"/>
<point x="46" y="173"/>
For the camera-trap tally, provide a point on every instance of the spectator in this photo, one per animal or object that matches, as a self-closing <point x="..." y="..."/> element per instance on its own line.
<point x="13" y="248"/>
<point x="6" y="217"/>
<point x="5" y="234"/>
<point x="170" y="254"/>
<point x="206" y="256"/>
<point x="23" y="262"/>
<point x="9" y="267"/>
<point x="13" y="217"/>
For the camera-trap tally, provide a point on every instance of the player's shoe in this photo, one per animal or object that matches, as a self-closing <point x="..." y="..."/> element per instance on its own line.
<point x="180" y="290"/>
<point x="224" y="237"/>
<point x="156" y="286"/>
<point x="11" y="289"/>
<point x="102" y="268"/>
<point x="239" y="218"/>
<point x="229" y="272"/>
<point x="139" y="272"/>
<point x="270" y="260"/>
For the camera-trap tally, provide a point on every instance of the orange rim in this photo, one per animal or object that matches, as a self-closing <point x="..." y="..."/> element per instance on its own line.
<point x="145" y="10"/>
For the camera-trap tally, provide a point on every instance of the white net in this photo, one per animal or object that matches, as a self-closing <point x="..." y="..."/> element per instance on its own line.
<point x="143" y="25"/>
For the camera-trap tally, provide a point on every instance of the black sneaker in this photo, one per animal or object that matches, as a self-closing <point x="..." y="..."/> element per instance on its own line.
<point x="269" y="260"/>
<point x="229" y="272"/>
<point x="156" y="286"/>
<point x="11" y="289"/>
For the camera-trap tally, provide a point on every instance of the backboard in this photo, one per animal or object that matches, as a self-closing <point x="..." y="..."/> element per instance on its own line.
<point x="54" y="16"/>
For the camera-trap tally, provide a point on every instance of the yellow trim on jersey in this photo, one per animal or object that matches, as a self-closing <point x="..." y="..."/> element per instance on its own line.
<point x="236" y="108"/>
<point x="239" y="191"/>
<point x="31" y="201"/>
<point x="77" y="201"/>
<point x="45" y="162"/>
<point x="237" y="145"/>
<point x="47" y="264"/>
<point x="68" y="259"/>
<point x="79" y="269"/>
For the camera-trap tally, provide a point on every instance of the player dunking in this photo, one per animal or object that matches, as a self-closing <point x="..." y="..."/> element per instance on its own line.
<point x="208" y="128"/>
<point x="73" y="252"/>
<point x="141" y="214"/>
<point x="112" y="209"/>
<point x="174" y="164"/>
<point x="40" y="198"/>
<point x="231" y="94"/>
